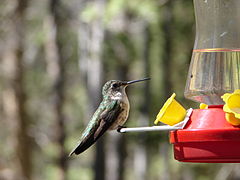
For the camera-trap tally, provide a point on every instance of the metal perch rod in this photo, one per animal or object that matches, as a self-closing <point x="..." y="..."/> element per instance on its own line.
<point x="180" y="125"/>
<point x="153" y="128"/>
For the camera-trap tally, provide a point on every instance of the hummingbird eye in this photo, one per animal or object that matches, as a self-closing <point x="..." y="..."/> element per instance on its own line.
<point x="115" y="85"/>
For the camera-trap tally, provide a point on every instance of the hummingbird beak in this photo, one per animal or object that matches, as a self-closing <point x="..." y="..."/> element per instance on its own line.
<point x="134" y="81"/>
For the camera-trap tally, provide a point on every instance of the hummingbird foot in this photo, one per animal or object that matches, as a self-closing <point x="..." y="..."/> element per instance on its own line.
<point x="119" y="128"/>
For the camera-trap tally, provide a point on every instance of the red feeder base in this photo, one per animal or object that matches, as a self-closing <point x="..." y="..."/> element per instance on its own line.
<point x="207" y="138"/>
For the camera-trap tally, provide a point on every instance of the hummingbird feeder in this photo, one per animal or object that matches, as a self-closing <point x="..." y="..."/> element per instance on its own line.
<point x="211" y="133"/>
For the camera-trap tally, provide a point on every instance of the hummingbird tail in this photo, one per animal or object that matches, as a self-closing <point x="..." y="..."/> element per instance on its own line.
<point x="82" y="147"/>
<point x="97" y="129"/>
<point x="88" y="141"/>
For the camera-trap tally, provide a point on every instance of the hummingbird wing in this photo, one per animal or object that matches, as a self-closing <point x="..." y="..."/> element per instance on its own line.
<point x="101" y="121"/>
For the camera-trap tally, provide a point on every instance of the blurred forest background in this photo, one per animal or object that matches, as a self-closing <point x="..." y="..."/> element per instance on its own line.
<point x="55" y="55"/>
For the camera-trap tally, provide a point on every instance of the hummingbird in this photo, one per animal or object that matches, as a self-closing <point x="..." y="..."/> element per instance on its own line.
<point x="111" y="114"/>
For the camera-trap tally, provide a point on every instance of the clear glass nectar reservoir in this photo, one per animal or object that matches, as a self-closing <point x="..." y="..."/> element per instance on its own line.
<point x="215" y="63"/>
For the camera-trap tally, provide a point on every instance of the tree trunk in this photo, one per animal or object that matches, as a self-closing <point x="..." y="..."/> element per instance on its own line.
<point x="15" y="95"/>
<point x="91" y="37"/>
<point x="141" y="156"/>
<point x="167" y="56"/>
<point x="56" y="62"/>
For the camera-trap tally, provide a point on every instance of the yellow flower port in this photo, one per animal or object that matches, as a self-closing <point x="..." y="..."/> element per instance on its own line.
<point x="171" y="113"/>
<point x="232" y="107"/>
